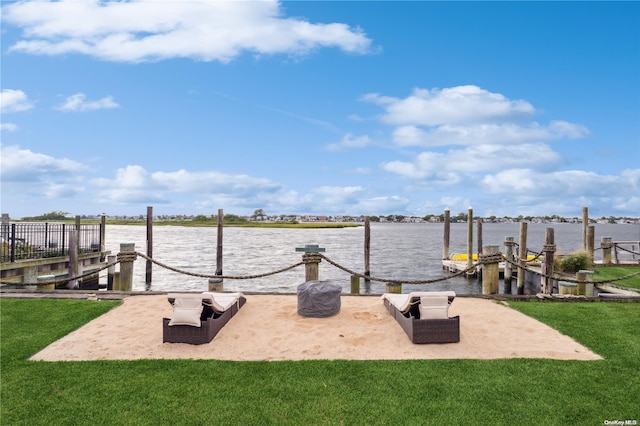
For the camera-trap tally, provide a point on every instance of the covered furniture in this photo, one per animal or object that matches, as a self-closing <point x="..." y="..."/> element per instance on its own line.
<point x="319" y="299"/>
<point x="424" y="316"/>
<point x="197" y="318"/>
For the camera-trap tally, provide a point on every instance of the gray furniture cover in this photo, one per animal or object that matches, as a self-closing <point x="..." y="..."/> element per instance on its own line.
<point x="318" y="299"/>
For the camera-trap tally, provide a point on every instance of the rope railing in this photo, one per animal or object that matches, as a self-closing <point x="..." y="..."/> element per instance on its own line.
<point x="227" y="277"/>
<point x="313" y="257"/>
<point x="569" y="279"/>
<point x="395" y="280"/>
<point x="619" y="247"/>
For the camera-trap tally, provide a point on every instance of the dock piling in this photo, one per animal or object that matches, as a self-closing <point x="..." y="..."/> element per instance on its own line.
<point x="149" y="264"/>
<point x="311" y="261"/>
<point x="591" y="231"/>
<point x="367" y="249"/>
<point x="73" y="259"/>
<point x="549" y="250"/>
<point x="606" y="244"/>
<point x="447" y="234"/>
<point x="127" y="250"/>
<point x="508" y="247"/>
<point x="216" y="284"/>
<point x="355" y="284"/>
<point x="585" y="223"/>
<point x="220" y="226"/>
<point x="470" y="242"/>
<point x="490" y="269"/>
<point x="522" y="255"/>
<point x="111" y="271"/>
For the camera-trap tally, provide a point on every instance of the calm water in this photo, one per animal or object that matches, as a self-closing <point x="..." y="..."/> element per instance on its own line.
<point x="398" y="251"/>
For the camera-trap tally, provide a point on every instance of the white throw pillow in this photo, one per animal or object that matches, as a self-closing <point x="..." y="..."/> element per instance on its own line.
<point x="436" y="307"/>
<point x="186" y="311"/>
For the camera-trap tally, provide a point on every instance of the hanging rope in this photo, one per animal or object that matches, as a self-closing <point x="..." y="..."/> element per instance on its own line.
<point x="228" y="277"/>
<point x="569" y="279"/>
<point x="313" y="258"/>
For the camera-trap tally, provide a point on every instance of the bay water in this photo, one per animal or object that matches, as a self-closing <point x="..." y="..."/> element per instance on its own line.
<point x="399" y="251"/>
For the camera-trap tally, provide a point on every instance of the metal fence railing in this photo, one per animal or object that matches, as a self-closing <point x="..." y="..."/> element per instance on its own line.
<point x="25" y="241"/>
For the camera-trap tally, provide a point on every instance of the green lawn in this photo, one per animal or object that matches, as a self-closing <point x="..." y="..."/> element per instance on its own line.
<point x="611" y="272"/>
<point x="470" y="392"/>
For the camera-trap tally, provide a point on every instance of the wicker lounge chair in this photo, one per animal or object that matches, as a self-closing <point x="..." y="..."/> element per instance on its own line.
<point x="197" y="318"/>
<point x="424" y="316"/>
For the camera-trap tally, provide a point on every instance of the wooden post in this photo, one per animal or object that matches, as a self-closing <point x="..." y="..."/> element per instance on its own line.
<point x="103" y="231"/>
<point x="490" y="270"/>
<point x="591" y="232"/>
<point x="447" y="234"/>
<point x="311" y="260"/>
<point x="220" y="226"/>
<point x="111" y="271"/>
<point x="522" y="255"/>
<point x="5" y="227"/>
<point x="216" y="284"/>
<point x="605" y="244"/>
<point x="367" y="251"/>
<point x="585" y="288"/>
<point x="355" y="284"/>
<point x="549" y="250"/>
<point x="78" y="230"/>
<point x="479" y="237"/>
<point x="73" y="260"/>
<point x="585" y="223"/>
<point x="508" y="247"/>
<point x="30" y="276"/>
<point x="480" y="247"/>
<point x="470" y="241"/>
<point x="393" y="287"/>
<point x="116" y="281"/>
<point x="311" y="263"/>
<point x="149" y="264"/>
<point x="126" y="266"/>
<point x="582" y="287"/>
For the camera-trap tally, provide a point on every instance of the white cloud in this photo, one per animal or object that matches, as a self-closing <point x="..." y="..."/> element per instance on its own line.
<point x="137" y="31"/>
<point x="569" y="183"/>
<point x="467" y="116"/>
<point x="12" y="100"/>
<point x="486" y="133"/>
<point x="79" y="102"/>
<point x="350" y="141"/>
<point x="135" y="184"/>
<point x="449" y="166"/>
<point x="631" y="204"/>
<point x="23" y="165"/>
<point x="35" y="177"/>
<point x="8" y="127"/>
<point x="460" y="104"/>
<point x="381" y="205"/>
<point x="360" y="171"/>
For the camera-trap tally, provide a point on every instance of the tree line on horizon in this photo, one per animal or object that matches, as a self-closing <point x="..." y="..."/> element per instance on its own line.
<point x="260" y="215"/>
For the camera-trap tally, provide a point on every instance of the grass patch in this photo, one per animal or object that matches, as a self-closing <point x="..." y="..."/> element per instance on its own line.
<point x="612" y="272"/>
<point x="529" y="391"/>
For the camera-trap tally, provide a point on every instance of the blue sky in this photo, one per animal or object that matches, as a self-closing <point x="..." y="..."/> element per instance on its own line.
<point x="316" y="107"/>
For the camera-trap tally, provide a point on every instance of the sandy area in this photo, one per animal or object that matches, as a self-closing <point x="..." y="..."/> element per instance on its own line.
<point x="268" y="327"/>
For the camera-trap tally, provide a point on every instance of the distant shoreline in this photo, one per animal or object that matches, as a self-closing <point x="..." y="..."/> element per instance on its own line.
<point x="190" y="223"/>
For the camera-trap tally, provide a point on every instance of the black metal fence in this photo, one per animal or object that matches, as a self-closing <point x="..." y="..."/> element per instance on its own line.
<point x="25" y="241"/>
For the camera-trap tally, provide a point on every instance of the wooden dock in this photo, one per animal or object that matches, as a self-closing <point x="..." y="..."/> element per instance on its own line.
<point x="458" y="262"/>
